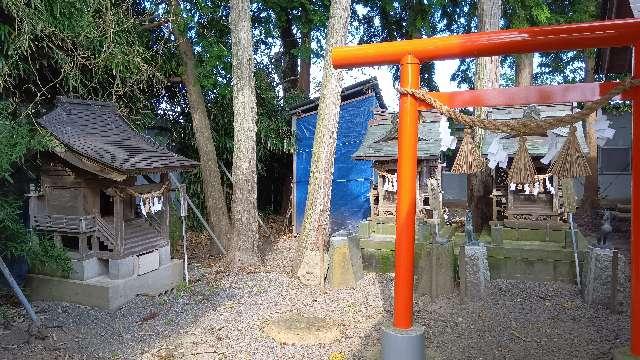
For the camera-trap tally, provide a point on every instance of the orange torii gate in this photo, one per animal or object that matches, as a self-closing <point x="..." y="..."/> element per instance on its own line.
<point x="409" y="54"/>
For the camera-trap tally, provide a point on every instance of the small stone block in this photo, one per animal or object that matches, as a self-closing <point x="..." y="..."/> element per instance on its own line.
<point x="496" y="235"/>
<point x="475" y="273"/>
<point x="597" y="276"/>
<point x="345" y="261"/>
<point x="435" y="271"/>
<point x="123" y="268"/>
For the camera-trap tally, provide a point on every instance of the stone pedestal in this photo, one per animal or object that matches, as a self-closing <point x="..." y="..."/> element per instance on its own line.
<point x="435" y="271"/>
<point x="345" y="261"/>
<point x="598" y="277"/>
<point x="403" y="344"/>
<point x="474" y="272"/>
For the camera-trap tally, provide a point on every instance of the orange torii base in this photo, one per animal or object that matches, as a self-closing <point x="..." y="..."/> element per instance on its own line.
<point x="409" y="54"/>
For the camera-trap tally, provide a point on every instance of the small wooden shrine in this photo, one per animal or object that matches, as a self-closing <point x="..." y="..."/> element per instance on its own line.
<point x="103" y="193"/>
<point x="540" y="203"/>
<point x="380" y="145"/>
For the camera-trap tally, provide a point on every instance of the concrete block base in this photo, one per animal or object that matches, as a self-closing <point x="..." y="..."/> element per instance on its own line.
<point x="345" y="262"/>
<point x="624" y="354"/>
<point x="88" y="269"/>
<point x="403" y="344"/>
<point x="123" y="268"/>
<point x="474" y="272"/>
<point x="102" y="292"/>
<point x="435" y="272"/>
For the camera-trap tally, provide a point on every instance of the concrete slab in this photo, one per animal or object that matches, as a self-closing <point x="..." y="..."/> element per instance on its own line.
<point x="102" y="292"/>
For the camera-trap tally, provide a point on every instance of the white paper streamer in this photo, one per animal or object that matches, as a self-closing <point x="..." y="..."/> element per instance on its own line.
<point x="446" y="140"/>
<point x="553" y="147"/>
<point x="603" y="131"/>
<point x="496" y="154"/>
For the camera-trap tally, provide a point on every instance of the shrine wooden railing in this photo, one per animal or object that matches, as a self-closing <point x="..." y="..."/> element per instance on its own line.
<point x="106" y="234"/>
<point x="64" y="223"/>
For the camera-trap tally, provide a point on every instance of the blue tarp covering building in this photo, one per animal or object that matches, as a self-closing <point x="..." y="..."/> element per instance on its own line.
<point x="351" y="178"/>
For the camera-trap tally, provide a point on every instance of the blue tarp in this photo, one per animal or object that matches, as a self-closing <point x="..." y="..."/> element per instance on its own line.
<point x="351" y="178"/>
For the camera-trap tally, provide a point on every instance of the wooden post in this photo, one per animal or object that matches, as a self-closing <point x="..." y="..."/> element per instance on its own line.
<point x="118" y="222"/>
<point x="164" y="179"/>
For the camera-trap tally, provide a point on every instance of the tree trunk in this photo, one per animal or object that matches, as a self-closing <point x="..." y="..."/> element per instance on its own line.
<point x="217" y="215"/>
<point x="590" y="198"/>
<point x="479" y="185"/>
<point x="304" y="77"/>
<point x="524" y="69"/>
<point x="289" y="71"/>
<point x="244" y="210"/>
<point x="315" y="227"/>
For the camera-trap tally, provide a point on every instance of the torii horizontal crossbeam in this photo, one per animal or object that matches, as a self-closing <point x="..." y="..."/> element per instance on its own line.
<point x="525" y="95"/>
<point x="493" y="43"/>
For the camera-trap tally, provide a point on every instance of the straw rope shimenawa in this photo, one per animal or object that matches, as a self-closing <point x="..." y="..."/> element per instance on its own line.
<point x="522" y="127"/>
<point x="469" y="160"/>
<point x="570" y="161"/>
<point x="522" y="170"/>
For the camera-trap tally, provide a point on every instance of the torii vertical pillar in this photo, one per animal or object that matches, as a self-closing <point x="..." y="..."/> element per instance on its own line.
<point x="635" y="210"/>
<point x="404" y="340"/>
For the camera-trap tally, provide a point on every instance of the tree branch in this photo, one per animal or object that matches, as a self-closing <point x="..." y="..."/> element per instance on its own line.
<point x="155" y="25"/>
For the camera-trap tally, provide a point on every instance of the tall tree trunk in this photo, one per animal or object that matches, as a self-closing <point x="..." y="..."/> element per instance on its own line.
<point x="244" y="210"/>
<point x="289" y="71"/>
<point x="315" y="227"/>
<point x="304" y="77"/>
<point x="479" y="185"/>
<point x="524" y="69"/>
<point x="217" y="215"/>
<point x="590" y="198"/>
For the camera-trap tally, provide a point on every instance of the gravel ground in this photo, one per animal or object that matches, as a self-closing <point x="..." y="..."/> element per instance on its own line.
<point x="221" y="316"/>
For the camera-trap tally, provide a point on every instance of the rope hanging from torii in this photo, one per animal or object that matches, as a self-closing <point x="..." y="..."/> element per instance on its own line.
<point x="570" y="162"/>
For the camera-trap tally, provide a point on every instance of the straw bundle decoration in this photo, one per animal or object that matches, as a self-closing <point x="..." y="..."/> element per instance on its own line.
<point x="522" y="170"/>
<point x="469" y="159"/>
<point x="570" y="161"/>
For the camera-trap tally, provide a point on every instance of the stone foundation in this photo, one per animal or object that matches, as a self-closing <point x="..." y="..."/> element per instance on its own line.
<point x="103" y="292"/>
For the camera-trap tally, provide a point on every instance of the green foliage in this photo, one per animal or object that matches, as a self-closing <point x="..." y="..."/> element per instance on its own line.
<point x="391" y="20"/>
<point x="15" y="241"/>
<point x="43" y="255"/>
<point x="47" y="258"/>
<point x="18" y="138"/>
<point x="92" y="48"/>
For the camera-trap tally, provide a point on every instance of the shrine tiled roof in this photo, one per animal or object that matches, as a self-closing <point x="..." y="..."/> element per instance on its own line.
<point x="96" y="131"/>
<point x="381" y="140"/>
